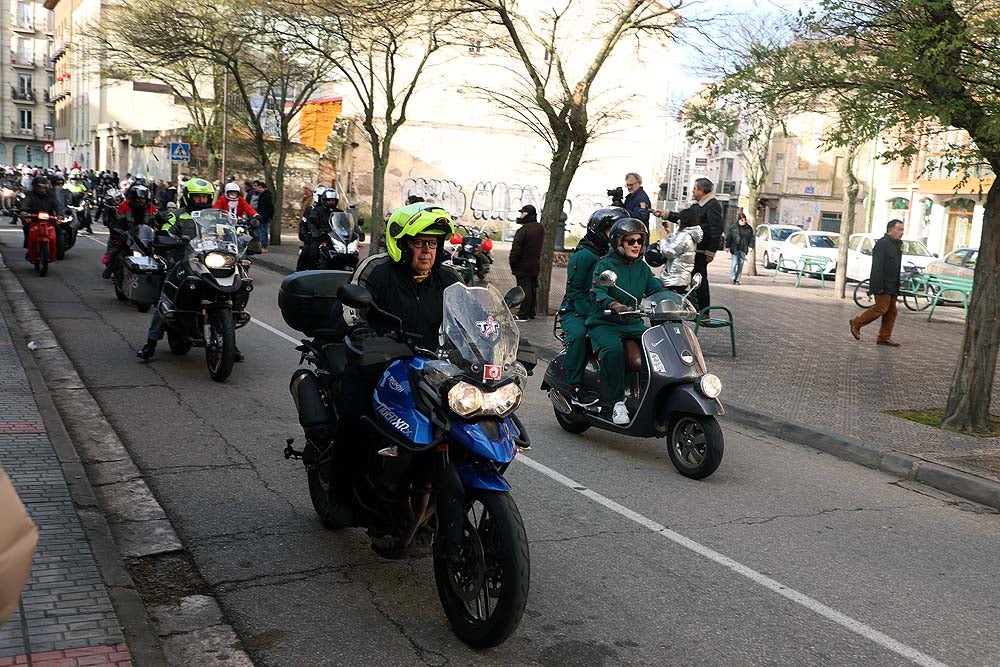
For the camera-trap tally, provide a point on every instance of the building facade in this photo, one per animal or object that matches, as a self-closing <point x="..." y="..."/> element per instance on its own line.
<point x="28" y="113"/>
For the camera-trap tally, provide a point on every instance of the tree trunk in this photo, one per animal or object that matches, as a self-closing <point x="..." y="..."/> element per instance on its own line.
<point x="847" y="221"/>
<point x="753" y="199"/>
<point x="379" y="165"/>
<point x="968" y="408"/>
<point x="562" y="168"/>
<point x="278" y="194"/>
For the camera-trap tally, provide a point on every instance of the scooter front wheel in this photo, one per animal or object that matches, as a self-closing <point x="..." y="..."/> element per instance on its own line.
<point x="43" y="260"/>
<point x="695" y="445"/>
<point x="571" y="423"/>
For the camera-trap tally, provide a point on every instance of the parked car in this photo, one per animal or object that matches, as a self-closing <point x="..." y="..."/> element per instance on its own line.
<point x="814" y="244"/>
<point x="859" y="255"/>
<point x="769" y="238"/>
<point x="959" y="263"/>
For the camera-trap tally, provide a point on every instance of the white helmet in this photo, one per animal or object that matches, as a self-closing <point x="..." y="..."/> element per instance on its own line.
<point x="232" y="191"/>
<point x="318" y="194"/>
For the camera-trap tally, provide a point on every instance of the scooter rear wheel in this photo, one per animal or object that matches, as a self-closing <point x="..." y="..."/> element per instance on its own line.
<point x="571" y="423"/>
<point x="695" y="445"/>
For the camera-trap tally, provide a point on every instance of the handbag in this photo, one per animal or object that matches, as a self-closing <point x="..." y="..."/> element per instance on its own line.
<point x="18" y="537"/>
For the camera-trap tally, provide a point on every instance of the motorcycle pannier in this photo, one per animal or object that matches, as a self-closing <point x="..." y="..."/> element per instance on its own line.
<point x="143" y="279"/>
<point x="307" y="300"/>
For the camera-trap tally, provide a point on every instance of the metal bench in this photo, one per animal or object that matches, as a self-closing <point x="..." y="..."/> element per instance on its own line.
<point x="951" y="284"/>
<point x="706" y="321"/>
<point x="805" y="265"/>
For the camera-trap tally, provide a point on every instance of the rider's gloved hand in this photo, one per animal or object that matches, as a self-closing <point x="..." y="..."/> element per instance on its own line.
<point x="618" y="308"/>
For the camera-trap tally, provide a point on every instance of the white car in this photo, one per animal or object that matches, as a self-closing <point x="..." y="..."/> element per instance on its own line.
<point x="809" y="244"/>
<point x="768" y="239"/>
<point x="859" y="255"/>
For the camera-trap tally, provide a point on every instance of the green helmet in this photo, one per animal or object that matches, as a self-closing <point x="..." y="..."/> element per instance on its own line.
<point x="415" y="220"/>
<point x="196" y="186"/>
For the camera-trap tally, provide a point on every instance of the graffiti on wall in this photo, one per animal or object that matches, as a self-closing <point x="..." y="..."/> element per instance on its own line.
<point x="446" y="194"/>
<point x="500" y="201"/>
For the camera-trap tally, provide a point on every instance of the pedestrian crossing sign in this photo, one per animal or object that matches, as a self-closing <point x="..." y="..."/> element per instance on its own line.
<point x="180" y="152"/>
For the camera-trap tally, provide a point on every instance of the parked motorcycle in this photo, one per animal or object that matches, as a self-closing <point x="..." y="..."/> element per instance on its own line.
<point x="338" y="251"/>
<point x="41" y="240"/>
<point x="429" y="475"/>
<point x="669" y="390"/>
<point x="473" y="245"/>
<point x="10" y="201"/>
<point x="204" y="298"/>
<point x="136" y="273"/>
<point x="463" y="266"/>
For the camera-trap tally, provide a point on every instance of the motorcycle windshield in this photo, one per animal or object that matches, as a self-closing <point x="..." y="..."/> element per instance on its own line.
<point x="670" y="305"/>
<point x="215" y="230"/>
<point x="478" y="332"/>
<point x="342" y="225"/>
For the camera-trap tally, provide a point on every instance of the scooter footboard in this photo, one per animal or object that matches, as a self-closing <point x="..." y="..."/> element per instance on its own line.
<point x="479" y="474"/>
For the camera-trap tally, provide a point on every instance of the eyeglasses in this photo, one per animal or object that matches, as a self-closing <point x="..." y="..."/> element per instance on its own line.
<point x="637" y="241"/>
<point x="424" y="243"/>
<point x="629" y="185"/>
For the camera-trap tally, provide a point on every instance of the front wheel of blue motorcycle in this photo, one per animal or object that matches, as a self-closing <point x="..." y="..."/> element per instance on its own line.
<point x="485" y="589"/>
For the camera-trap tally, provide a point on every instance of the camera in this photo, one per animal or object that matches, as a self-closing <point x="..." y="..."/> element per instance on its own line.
<point x="616" y="196"/>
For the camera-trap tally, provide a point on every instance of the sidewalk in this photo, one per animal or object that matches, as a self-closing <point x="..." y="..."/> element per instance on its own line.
<point x="69" y="614"/>
<point x="799" y="373"/>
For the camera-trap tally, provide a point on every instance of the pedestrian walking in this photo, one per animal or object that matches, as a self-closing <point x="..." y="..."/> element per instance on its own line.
<point x="265" y="209"/>
<point x="887" y="259"/>
<point x="739" y="240"/>
<point x="526" y="259"/>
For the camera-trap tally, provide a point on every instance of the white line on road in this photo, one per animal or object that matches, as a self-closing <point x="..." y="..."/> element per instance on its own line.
<point x="815" y="606"/>
<point x="276" y="332"/>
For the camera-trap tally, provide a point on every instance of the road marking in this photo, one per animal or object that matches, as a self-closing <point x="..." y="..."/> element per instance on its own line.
<point x="813" y="605"/>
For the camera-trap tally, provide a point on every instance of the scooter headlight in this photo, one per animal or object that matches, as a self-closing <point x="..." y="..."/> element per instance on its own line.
<point x="465" y="399"/>
<point x="710" y="385"/>
<point x="216" y="260"/>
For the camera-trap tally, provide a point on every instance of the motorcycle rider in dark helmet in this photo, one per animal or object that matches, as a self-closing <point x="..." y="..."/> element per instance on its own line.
<point x="316" y="224"/>
<point x="628" y="240"/>
<point x="578" y="302"/>
<point x="197" y="195"/>
<point x="408" y="281"/>
<point x="40" y="200"/>
<point x="137" y="211"/>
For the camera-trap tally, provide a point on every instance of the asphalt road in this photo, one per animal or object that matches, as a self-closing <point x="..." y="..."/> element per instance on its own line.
<point x="785" y="556"/>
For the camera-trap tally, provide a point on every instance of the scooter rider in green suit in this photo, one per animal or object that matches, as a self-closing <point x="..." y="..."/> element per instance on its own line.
<point x="628" y="240"/>
<point x="579" y="302"/>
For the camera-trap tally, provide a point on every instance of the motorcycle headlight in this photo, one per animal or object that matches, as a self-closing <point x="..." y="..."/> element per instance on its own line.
<point x="216" y="260"/>
<point x="504" y="400"/>
<point x="710" y="385"/>
<point x="465" y="399"/>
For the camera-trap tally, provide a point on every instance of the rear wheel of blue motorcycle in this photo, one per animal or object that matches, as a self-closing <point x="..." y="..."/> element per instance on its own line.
<point x="485" y="591"/>
<point x="220" y="348"/>
<point x="695" y="445"/>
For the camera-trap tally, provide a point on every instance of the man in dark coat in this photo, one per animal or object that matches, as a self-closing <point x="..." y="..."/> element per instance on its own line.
<point x="265" y="208"/>
<point x="526" y="259"/>
<point x="709" y="210"/>
<point x="887" y="259"/>
<point x="739" y="240"/>
<point x="637" y="201"/>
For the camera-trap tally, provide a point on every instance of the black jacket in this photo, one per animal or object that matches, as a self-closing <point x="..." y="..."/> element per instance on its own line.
<point x="34" y="203"/>
<point x="526" y="250"/>
<point x="740" y="238"/>
<point x="711" y="222"/>
<point x="638" y="206"/>
<point x="418" y="305"/>
<point x="887" y="261"/>
<point x="265" y="206"/>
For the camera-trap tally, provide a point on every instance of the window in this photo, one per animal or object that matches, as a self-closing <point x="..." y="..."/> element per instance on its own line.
<point x="24" y="84"/>
<point x="971" y="262"/>
<point x="853" y="243"/>
<point x="24" y="14"/>
<point x="477" y="47"/>
<point x="24" y="119"/>
<point x="52" y="120"/>
<point x="781" y="234"/>
<point x="25" y="50"/>
<point x="761" y="233"/>
<point x="824" y="241"/>
<point x="955" y="258"/>
<point x="866" y="247"/>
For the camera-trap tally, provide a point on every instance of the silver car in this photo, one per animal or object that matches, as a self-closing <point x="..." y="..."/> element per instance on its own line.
<point x="959" y="263"/>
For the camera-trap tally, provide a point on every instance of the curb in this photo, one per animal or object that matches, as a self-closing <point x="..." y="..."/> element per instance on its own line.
<point x="119" y="513"/>
<point x="272" y="266"/>
<point x="893" y="462"/>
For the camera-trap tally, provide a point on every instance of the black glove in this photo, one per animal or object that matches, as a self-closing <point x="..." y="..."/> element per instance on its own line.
<point x="673" y="217"/>
<point x="653" y="256"/>
<point x="618" y="308"/>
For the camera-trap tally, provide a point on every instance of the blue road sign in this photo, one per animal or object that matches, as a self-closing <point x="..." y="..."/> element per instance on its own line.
<point x="180" y="152"/>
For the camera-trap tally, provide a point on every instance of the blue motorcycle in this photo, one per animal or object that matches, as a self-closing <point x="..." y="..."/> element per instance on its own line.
<point x="426" y="477"/>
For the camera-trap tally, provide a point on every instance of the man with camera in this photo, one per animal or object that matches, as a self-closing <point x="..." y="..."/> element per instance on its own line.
<point x="636" y="201"/>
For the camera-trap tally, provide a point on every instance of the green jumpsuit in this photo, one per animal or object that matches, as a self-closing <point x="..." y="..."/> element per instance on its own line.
<point x="575" y="308"/>
<point x="607" y="331"/>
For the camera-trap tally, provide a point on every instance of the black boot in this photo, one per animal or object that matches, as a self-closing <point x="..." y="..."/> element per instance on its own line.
<point x="238" y="356"/>
<point x="107" y="272"/>
<point x="147" y="351"/>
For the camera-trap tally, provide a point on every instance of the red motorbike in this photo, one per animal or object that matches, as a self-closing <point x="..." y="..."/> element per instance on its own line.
<point x="41" y="240"/>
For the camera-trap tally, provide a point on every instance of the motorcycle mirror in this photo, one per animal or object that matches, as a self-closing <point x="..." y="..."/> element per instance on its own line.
<point x="514" y="297"/>
<point x="354" y="296"/>
<point x="608" y="278"/>
<point x="695" y="282"/>
<point x="361" y="236"/>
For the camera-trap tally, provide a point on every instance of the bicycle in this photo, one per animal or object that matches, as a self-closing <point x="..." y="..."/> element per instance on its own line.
<point x="916" y="294"/>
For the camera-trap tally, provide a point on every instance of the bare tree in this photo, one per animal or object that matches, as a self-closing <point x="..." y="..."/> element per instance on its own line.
<point x="557" y="67"/>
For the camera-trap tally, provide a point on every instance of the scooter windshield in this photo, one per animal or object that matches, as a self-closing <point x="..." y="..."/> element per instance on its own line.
<point x="478" y="332"/>
<point x="342" y="225"/>
<point x="668" y="305"/>
<point x="215" y="230"/>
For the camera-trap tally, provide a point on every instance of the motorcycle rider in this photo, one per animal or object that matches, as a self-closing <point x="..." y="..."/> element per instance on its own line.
<point x="628" y="238"/>
<point x="578" y="303"/>
<point x="678" y="251"/>
<point x="137" y="212"/>
<point x="41" y="199"/>
<point x="231" y="200"/>
<point x="196" y="195"/>
<point x="316" y="224"/>
<point x="76" y="191"/>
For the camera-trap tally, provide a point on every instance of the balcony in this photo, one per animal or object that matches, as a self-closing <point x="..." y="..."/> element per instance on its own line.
<point x="46" y="133"/>
<point x="22" y="60"/>
<point x="58" y="50"/>
<point x="53" y="94"/>
<point x="22" y="94"/>
<point x="22" y="24"/>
